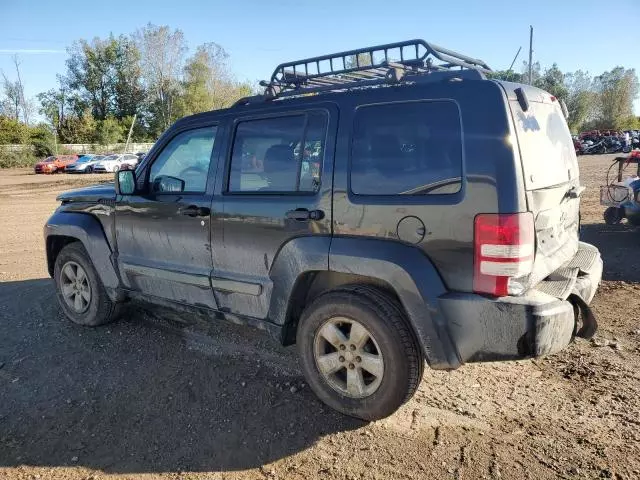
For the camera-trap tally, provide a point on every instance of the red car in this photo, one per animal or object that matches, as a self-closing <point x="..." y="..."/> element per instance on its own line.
<point x="55" y="163"/>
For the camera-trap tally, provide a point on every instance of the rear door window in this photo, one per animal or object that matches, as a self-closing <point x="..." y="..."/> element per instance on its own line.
<point x="278" y="154"/>
<point x="408" y="148"/>
<point x="546" y="148"/>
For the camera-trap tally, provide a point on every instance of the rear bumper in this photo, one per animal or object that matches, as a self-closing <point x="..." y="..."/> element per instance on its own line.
<point x="538" y="323"/>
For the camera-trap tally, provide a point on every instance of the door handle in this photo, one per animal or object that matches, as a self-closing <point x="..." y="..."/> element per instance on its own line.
<point x="303" y="214"/>
<point x="195" y="211"/>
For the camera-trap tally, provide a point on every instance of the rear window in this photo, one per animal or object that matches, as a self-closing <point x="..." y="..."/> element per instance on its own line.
<point x="409" y="148"/>
<point x="546" y="147"/>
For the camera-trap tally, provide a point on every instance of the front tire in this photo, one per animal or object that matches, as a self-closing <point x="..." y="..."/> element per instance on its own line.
<point x="80" y="292"/>
<point x="358" y="352"/>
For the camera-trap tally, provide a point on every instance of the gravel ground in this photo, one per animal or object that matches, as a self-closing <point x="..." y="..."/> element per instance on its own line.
<point x="149" y="398"/>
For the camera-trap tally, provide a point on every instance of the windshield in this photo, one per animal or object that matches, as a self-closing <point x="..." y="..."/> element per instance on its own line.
<point x="49" y="159"/>
<point x="546" y="148"/>
<point x="110" y="157"/>
<point x="84" y="159"/>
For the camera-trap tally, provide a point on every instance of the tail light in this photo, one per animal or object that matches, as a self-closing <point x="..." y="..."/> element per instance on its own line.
<point x="504" y="247"/>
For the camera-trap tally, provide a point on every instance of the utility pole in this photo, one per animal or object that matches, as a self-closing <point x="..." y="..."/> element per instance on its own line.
<point x="530" y="54"/>
<point x="126" y="147"/>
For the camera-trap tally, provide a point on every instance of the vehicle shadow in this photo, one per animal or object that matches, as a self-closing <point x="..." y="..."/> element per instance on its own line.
<point x="618" y="245"/>
<point x="130" y="398"/>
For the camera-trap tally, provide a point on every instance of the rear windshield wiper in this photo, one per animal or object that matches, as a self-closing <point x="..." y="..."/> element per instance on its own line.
<point x="431" y="186"/>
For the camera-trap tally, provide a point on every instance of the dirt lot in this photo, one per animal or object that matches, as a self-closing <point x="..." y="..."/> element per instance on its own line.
<point x="144" y="399"/>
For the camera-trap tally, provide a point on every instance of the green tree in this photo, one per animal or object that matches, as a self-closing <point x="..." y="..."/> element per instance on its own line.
<point x="109" y="131"/>
<point x="52" y="107"/>
<point x="552" y="81"/>
<point x="105" y="76"/>
<point x="617" y="91"/>
<point x="91" y="74"/>
<point x="78" y="128"/>
<point x="12" y="131"/>
<point x="162" y="54"/>
<point x="129" y="92"/>
<point x="581" y="99"/>
<point x="507" y="75"/>
<point x="535" y="72"/>
<point x="362" y="60"/>
<point x="208" y="83"/>
<point x="41" y="138"/>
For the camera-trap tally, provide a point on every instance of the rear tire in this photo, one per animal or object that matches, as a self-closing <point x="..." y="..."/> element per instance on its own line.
<point x="613" y="215"/>
<point x="358" y="353"/>
<point x="80" y="292"/>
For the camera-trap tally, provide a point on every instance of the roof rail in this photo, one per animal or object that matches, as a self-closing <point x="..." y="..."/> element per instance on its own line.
<point x="388" y="63"/>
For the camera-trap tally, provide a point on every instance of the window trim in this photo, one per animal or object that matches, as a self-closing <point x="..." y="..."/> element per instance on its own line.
<point x="302" y="112"/>
<point x="393" y="199"/>
<point x="191" y="128"/>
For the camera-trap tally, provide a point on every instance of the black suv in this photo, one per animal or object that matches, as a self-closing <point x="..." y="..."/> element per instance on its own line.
<point x="379" y="207"/>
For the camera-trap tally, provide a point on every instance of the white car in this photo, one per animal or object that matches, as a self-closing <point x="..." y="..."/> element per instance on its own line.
<point x="113" y="163"/>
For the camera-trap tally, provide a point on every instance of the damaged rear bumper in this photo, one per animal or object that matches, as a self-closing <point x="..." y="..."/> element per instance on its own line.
<point x="542" y="321"/>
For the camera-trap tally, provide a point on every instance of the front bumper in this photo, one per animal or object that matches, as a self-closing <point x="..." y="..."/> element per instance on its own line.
<point x="540" y="322"/>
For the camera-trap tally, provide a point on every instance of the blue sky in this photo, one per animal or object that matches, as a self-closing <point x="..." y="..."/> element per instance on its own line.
<point x="588" y="35"/>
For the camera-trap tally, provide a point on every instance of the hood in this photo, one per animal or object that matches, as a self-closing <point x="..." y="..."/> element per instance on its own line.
<point x="94" y="193"/>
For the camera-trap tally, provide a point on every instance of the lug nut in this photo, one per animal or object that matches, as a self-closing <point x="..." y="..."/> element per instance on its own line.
<point x="341" y="359"/>
<point x="342" y="347"/>
<point x="358" y="359"/>
<point x="352" y="347"/>
<point x="351" y="366"/>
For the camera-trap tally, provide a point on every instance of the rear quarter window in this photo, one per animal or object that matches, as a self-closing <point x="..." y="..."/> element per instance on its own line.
<point x="407" y="148"/>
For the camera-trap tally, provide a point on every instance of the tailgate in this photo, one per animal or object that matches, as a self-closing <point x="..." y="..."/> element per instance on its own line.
<point x="552" y="186"/>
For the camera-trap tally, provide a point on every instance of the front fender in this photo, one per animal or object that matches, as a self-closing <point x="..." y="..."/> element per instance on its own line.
<point x="414" y="279"/>
<point x="88" y="230"/>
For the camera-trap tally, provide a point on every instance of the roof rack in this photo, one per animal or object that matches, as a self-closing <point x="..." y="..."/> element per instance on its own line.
<point x="388" y="63"/>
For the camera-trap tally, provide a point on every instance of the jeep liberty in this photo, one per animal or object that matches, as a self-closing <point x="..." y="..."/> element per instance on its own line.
<point x="380" y="208"/>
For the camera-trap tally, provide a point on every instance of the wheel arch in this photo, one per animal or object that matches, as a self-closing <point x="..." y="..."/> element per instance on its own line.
<point x="402" y="271"/>
<point x="67" y="227"/>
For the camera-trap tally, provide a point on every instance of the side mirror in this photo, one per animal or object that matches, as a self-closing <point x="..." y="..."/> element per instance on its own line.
<point x="125" y="182"/>
<point x="167" y="184"/>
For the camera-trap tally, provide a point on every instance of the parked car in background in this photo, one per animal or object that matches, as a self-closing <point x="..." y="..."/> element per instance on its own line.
<point x="55" y="163"/>
<point x="84" y="164"/>
<point x="113" y="163"/>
